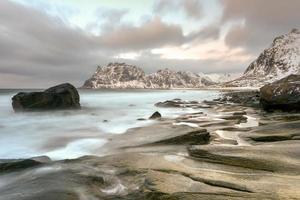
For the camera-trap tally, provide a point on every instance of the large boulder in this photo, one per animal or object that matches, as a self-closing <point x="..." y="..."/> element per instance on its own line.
<point x="64" y="96"/>
<point x="283" y="94"/>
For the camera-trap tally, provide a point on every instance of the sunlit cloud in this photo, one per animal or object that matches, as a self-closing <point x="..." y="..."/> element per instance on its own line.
<point x="213" y="50"/>
<point x="129" y="56"/>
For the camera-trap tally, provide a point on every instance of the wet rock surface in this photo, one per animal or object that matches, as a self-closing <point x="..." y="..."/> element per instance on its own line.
<point x="247" y="98"/>
<point x="283" y="94"/>
<point x="178" y="103"/>
<point x="227" y="151"/>
<point x="200" y="136"/>
<point x="64" y="96"/>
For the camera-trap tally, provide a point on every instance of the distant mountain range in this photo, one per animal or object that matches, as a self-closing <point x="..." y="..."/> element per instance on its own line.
<point x="281" y="59"/>
<point x="121" y="75"/>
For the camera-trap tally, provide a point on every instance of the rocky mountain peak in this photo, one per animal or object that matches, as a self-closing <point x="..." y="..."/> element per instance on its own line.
<point x="281" y="59"/>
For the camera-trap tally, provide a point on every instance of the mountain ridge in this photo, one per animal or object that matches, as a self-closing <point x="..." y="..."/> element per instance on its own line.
<point x="122" y="75"/>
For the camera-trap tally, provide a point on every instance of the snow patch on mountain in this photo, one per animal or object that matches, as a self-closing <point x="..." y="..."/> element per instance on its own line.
<point x="221" y="78"/>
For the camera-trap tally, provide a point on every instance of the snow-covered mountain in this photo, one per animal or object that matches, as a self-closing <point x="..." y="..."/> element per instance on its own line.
<point x="221" y="78"/>
<point x="274" y="63"/>
<point x="117" y="75"/>
<point x="121" y="75"/>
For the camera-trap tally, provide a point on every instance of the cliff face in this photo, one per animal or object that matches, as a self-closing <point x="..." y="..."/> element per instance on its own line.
<point x="121" y="75"/>
<point x="281" y="59"/>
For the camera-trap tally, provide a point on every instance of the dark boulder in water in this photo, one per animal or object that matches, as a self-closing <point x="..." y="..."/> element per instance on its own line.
<point x="283" y="94"/>
<point x="64" y="96"/>
<point x="18" y="165"/>
<point x="155" y="115"/>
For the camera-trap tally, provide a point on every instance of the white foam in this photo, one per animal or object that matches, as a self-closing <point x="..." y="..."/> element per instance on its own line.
<point x="116" y="189"/>
<point x="173" y="158"/>
<point x="77" y="149"/>
<point x="48" y="169"/>
<point x="251" y="122"/>
<point x="193" y="125"/>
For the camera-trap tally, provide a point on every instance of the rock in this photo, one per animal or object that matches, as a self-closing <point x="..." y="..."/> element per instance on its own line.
<point x="41" y="159"/>
<point x="141" y="119"/>
<point x="64" y="96"/>
<point x="169" y="104"/>
<point x="246" y="98"/>
<point x="155" y="115"/>
<point x="234" y="117"/>
<point x="177" y="103"/>
<point x="18" y="165"/>
<point x="283" y="94"/>
<point x="239" y="113"/>
<point x="199" y="136"/>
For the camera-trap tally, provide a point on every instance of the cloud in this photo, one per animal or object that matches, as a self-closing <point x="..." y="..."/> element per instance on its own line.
<point x="211" y="32"/>
<point x="275" y="11"/>
<point x="212" y="50"/>
<point x="34" y="44"/>
<point x="262" y="21"/>
<point x="153" y="62"/>
<point x="151" y="34"/>
<point x="191" y="8"/>
<point x="106" y="20"/>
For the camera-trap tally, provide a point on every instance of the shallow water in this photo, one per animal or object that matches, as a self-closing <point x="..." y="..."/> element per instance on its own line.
<point x="71" y="134"/>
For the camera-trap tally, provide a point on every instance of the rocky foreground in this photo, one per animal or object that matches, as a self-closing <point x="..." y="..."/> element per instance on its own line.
<point x="228" y="148"/>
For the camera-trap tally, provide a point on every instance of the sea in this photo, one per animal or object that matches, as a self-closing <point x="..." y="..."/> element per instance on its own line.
<point x="69" y="134"/>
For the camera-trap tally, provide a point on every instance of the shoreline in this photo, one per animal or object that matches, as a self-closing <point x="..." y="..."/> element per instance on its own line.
<point x="204" y="88"/>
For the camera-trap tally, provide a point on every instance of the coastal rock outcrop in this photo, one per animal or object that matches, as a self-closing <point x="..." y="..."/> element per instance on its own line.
<point x="63" y="96"/>
<point x="121" y="75"/>
<point x="283" y="94"/>
<point x="274" y="63"/>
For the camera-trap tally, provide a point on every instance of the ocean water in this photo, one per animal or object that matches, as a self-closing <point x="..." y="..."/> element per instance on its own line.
<point x="74" y="133"/>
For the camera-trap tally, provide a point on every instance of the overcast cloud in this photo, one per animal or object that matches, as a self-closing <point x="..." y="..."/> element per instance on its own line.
<point x="263" y="20"/>
<point x="38" y="49"/>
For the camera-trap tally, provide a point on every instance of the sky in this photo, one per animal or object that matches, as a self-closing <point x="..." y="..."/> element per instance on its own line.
<point x="47" y="42"/>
